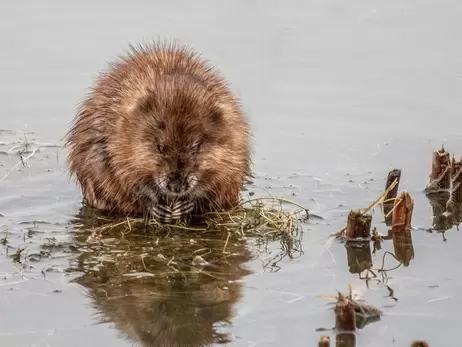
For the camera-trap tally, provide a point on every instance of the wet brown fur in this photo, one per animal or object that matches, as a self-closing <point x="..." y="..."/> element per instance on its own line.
<point x="114" y="139"/>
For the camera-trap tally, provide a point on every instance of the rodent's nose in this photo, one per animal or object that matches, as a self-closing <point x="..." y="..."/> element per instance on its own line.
<point x="174" y="186"/>
<point x="177" y="185"/>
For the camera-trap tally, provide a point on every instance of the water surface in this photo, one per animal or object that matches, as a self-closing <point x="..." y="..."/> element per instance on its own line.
<point x="337" y="93"/>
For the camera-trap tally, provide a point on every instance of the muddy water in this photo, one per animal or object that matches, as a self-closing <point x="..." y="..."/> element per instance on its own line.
<point x="338" y="94"/>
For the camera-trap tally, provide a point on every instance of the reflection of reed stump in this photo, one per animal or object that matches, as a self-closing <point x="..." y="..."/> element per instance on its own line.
<point x="388" y="203"/>
<point x="404" y="249"/>
<point x="358" y="225"/>
<point x="440" y="177"/>
<point x="402" y="213"/>
<point x="345" y="340"/>
<point x="438" y="203"/>
<point x="359" y="258"/>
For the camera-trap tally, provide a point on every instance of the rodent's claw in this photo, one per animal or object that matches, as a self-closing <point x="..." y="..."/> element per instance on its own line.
<point x="182" y="208"/>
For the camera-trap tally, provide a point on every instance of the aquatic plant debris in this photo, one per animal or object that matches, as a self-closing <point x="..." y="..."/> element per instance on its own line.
<point x="263" y="217"/>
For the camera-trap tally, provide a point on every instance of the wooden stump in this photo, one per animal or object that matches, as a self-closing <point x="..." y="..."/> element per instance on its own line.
<point x="402" y="213"/>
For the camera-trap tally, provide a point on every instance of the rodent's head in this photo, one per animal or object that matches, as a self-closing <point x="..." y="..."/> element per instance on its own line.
<point x="182" y="133"/>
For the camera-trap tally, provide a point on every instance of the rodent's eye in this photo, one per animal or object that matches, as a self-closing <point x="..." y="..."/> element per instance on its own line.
<point x="195" y="148"/>
<point x="160" y="148"/>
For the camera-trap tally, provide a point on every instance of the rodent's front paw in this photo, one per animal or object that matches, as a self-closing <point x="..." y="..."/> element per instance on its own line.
<point x="162" y="213"/>
<point x="181" y="208"/>
<point x="176" y="210"/>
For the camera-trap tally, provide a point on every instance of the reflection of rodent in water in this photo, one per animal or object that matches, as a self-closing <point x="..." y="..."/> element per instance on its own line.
<point x="172" y="303"/>
<point x="161" y="135"/>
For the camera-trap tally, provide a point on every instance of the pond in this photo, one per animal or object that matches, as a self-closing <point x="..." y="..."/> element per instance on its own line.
<point x="338" y="94"/>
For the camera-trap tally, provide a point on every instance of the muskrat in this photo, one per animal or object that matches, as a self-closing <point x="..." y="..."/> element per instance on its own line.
<point x="160" y="135"/>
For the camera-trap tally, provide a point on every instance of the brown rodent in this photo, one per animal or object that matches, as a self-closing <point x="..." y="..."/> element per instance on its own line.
<point x="162" y="135"/>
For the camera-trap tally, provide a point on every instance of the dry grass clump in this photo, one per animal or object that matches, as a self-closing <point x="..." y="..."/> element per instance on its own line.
<point x="259" y="217"/>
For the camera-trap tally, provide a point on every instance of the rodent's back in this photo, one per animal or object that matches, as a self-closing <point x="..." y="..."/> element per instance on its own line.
<point x="107" y="141"/>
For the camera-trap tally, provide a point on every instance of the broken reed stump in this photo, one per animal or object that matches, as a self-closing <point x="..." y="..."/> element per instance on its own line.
<point x="440" y="177"/>
<point x="402" y="213"/>
<point x="324" y="341"/>
<point x="351" y="314"/>
<point x="388" y="203"/>
<point x="345" y="316"/>
<point x="358" y="225"/>
<point x="403" y="246"/>
<point x="455" y="202"/>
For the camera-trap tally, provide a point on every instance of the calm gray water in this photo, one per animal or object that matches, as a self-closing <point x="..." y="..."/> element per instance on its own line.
<point x="338" y="93"/>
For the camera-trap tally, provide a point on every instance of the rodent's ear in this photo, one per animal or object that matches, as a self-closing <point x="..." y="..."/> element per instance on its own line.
<point x="141" y="101"/>
<point x="219" y="113"/>
<point x="147" y="103"/>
